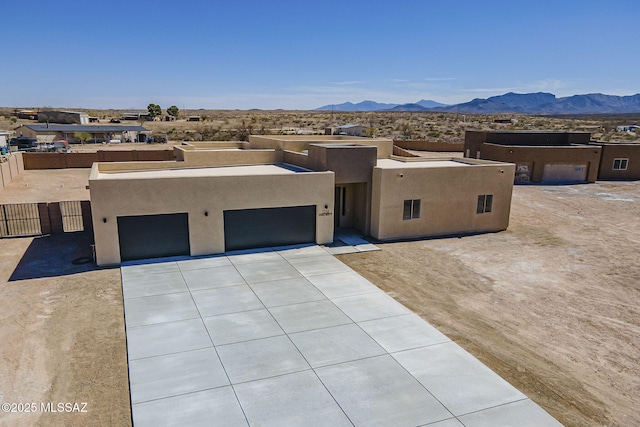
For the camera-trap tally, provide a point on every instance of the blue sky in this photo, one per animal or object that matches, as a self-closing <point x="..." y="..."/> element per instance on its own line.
<point x="305" y="54"/>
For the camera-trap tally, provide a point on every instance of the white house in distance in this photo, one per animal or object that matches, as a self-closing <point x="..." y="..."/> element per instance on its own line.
<point x="4" y="137"/>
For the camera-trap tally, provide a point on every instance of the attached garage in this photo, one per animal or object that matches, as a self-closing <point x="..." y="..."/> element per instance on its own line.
<point x="557" y="173"/>
<point x="153" y="236"/>
<point x="259" y="228"/>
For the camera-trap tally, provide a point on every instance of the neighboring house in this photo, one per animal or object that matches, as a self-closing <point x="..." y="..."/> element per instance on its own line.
<point x="348" y="129"/>
<point x="97" y="134"/>
<point x="619" y="160"/>
<point x="4" y="138"/>
<point x="63" y="117"/>
<point x="280" y="190"/>
<point x="136" y="116"/>
<point x="547" y="157"/>
<point x="628" y="128"/>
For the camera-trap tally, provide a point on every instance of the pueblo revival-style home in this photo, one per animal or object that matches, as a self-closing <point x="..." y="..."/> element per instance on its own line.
<point x="282" y="190"/>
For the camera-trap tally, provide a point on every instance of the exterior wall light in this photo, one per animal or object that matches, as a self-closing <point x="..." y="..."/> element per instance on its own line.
<point x="104" y="220"/>
<point x="206" y="213"/>
<point x="401" y="175"/>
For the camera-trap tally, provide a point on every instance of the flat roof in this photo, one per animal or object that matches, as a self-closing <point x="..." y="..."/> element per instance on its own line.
<point x="421" y="164"/>
<point x="211" y="171"/>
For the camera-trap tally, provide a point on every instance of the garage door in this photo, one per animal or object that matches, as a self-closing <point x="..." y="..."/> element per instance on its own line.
<point x="556" y="173"/>
<point x="259" y="228"/>
<point x="153" y="236"/>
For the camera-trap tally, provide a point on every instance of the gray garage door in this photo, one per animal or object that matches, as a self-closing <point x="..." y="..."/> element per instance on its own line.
<point x="260" y="228"/>
<point x="153" y="236"/>
<point x="564" y="173"/>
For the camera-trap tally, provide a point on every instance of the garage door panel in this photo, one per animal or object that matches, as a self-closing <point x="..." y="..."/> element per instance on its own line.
<point x="564" y="173"/>
<point x="153" y="236"/>
<point x="259" y="228"/>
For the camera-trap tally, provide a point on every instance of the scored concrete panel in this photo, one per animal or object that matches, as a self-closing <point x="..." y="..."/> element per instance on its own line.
<point x="166" y="338"/>
<point x="343" y="284"/>
<point x="159" y="309"/>
<point x="321" y="264"/>
<point x="303" y="251"/>
<point x="254" y="256"/>
<point x="243" y="326"/>
<point x="263" y="358"/>
<point x="524" y="413"/>
<point x="451" y="422"/>
<point x="214" y="277"/>
<point x="153" y="284"/>
<point x="286" y="292"/>
<point x="174" y="374"/>
<point x="309" y="315"/>
<point x="217" y="406"/>
<point x="337" y="344"/>
<point x="403" y="332"/>
<point x="200" y="263"/>
<point x="267" y="271"/>
<point x="457" y="379"/>
<point x="379" y="392"/>
<point x="297" y="399"/>
<point x="232" y="299"/>
<point x="370" y="306"/>
<point x="129" y="271"/>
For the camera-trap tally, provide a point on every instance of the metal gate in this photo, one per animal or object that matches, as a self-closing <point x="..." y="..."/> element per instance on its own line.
<point x="22" y="219"/>
<point x="71" y="216"/>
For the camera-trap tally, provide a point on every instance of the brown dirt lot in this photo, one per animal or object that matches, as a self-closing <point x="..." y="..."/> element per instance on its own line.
<point x="552" y="304"/>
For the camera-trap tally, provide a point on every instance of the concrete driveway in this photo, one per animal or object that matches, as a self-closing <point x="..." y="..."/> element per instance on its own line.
<point x="294" y="337"/>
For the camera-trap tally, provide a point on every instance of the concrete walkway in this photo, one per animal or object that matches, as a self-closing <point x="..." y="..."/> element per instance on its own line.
<point x="294" y="337"/>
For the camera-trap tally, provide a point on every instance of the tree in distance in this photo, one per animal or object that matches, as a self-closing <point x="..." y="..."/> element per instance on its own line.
<point x="173" y="111"/>
<point x="82" y="136"/>
<point x="154" y="110"/>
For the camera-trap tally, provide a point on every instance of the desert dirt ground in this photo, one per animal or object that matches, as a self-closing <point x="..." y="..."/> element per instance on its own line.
<point x="552" y="305"/>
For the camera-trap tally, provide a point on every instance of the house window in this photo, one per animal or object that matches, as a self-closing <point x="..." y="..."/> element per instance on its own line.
<point x="620" y="164"/>
<point x="411" y="209"/>
<point x="485" y="202"/>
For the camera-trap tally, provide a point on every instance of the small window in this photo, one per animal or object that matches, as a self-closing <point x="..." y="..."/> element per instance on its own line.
<point x="620" y="164"/>
<point x="485" y="203"/>
<point x="411" y="209"/>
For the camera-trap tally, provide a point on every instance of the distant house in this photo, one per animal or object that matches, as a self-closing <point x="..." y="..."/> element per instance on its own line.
<point x="628" y="128"/>
<point x="98" y="134"/>
<point x="348" y="129"/>
<point x="63" y="117"/>
<point x="193" y="118"/>
<point x="136" y="116"/>
<point x="26" y="114"/>
<point x="4" y="137"/>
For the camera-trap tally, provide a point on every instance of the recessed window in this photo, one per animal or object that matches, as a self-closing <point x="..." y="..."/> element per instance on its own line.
<point x="485" y="203"/>
<point x="411" y="209"/>
<point x="620" y="164"/>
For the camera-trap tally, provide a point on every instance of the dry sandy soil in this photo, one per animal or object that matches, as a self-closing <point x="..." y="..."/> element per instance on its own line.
<point x="552" y="305"/>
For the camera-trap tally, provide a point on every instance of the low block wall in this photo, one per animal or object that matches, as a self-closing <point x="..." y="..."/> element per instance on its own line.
<point x="9" y="169"/>
<point x="85" y="160"/>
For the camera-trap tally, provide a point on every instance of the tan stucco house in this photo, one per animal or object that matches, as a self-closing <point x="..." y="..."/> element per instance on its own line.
<point x="280" y="190"/>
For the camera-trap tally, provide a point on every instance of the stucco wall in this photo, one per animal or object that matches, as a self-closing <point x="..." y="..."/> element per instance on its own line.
<point x="300" y="142"/>
<point x="448" y="200"/>
<point x="539" y="156"/>
<point x="613" y="151"/>
<point x="11" y="168"/>
<point x="195" y="195"/>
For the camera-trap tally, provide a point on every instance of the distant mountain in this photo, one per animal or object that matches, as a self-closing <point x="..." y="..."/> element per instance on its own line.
<point x="523" y="103"/>
<point x="408" y="108"/>
<point x="360" y="106"/>
<point x="427" y="103"/>
<point x="547" y="103"/>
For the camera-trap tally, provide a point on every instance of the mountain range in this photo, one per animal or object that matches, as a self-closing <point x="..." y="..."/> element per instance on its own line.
<point x="527" y="103"/>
